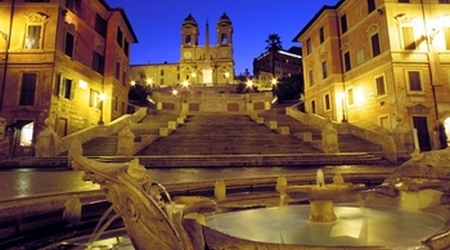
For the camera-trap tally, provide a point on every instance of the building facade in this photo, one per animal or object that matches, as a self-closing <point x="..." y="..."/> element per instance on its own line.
<point x="381" y="63"/>
<point x="277" y="65"/>
<point x="63" y="59"/>
<point x="199" y="64"/>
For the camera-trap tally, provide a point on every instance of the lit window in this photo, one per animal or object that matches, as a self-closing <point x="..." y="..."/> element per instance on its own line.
<point x="26" y="135"/>
<point x="33" y="37"/>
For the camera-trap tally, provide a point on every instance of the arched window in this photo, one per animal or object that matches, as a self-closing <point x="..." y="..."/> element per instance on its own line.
<point x="223" y="39"/>
<point x="187" y="40"/>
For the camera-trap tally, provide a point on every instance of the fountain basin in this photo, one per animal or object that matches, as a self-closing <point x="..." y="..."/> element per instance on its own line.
<point x="379" y="227"/>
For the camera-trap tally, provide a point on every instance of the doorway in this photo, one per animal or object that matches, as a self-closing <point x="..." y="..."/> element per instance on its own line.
<point x="420" y="124"/>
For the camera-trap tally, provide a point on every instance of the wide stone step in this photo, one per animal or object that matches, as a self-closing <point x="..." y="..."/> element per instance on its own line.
<point x="252" y="160"/>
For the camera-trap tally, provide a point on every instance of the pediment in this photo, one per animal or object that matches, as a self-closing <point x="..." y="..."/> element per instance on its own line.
<point x="418" y="109"/>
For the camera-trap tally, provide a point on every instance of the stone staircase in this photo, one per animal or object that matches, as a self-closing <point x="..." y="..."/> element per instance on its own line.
<point x="107" y="146"/>
<point x="223" y="139"/>
<point x="219" y="134"/>
<point x="347" y="142"/>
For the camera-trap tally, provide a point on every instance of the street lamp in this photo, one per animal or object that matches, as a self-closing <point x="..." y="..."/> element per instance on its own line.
<point x="102" y="98"/>
<point x="150" y="82"/>
<point x="274" y="82"/>
<point x="249" y="84"/>
<point x="227" y="75"/>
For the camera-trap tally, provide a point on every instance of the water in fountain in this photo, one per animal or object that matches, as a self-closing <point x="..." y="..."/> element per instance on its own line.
<point x="323" y="224"/>
<point x="378" y="226"/>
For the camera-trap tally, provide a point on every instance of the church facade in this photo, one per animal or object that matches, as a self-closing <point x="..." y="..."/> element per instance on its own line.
<point x="208" y="64"/>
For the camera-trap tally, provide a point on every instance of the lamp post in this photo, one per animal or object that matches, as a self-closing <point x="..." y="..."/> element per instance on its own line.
<point x="7" y="36"/>
<point x="342" y="97"/>
<point x="102" y="98"/>
<point x="249" y="84"/>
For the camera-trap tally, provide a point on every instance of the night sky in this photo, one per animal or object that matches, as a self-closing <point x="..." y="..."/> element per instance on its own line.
<point x="157" y="24"/>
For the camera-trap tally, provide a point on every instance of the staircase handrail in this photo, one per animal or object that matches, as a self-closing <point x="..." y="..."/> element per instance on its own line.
<point x="92" y="132"/>
<point x="385" y="141"/>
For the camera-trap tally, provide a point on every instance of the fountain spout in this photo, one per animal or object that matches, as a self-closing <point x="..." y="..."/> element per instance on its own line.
<point x="321" y="196"/>
<point x="320" y="180"/>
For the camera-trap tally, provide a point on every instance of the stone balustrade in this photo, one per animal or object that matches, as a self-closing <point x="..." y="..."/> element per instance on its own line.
<point x="283" y="130"/>
<point x="50" y="144"/>
<point x="385" y="141"/>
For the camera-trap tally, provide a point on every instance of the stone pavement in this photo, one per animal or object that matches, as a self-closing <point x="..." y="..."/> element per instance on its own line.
<point x="25" y="183"/>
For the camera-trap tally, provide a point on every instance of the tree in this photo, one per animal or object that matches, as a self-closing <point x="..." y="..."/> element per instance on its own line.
<point x="290" y="88"/>
<point x="273" y="45"/>
<point x="273" y="42"/>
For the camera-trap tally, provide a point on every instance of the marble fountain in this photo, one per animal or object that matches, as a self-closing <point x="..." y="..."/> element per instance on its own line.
<point x="409" y="210"/>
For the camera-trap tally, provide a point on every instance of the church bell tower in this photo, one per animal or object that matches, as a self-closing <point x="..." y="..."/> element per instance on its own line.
<point x="224" y="47"/>
<point x="189" y="37"/>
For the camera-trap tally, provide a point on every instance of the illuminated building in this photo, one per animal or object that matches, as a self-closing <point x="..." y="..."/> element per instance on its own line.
<point x="381" y="63"/>
<point x="199" y="64"/>
<point x="60" y="58"/>
<point x="277" y="65"/>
